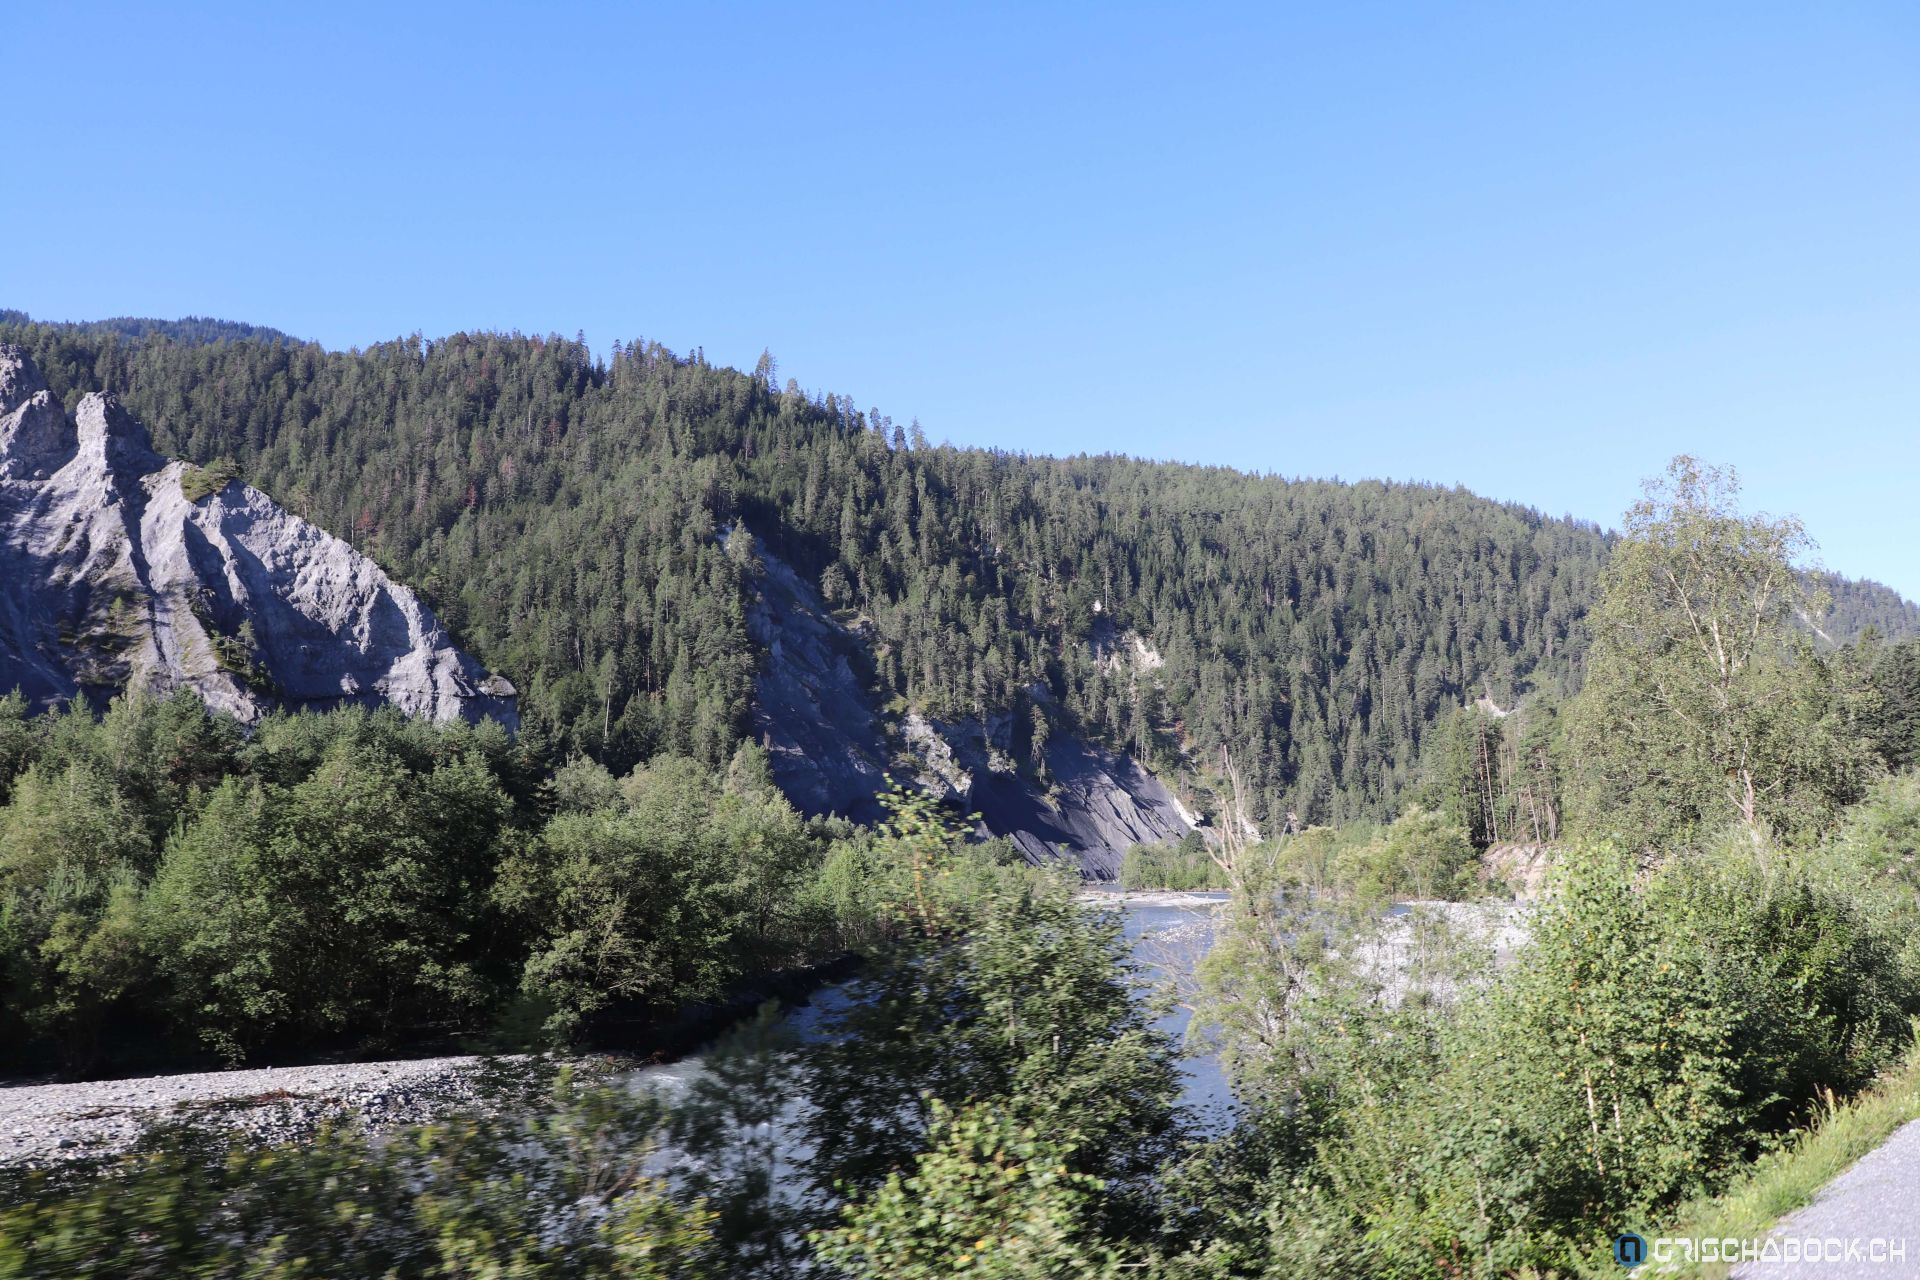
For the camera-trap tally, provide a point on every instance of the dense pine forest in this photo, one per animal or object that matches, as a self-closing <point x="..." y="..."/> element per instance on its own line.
<point x="566" y="515"/>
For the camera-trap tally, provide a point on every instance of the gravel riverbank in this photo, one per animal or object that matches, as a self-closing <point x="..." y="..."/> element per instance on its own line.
<point x="45" y="1123"/>
<point x="1150" y="898"/>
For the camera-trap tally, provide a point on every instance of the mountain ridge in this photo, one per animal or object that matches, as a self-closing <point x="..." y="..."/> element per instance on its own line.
<point x="565" y="514"/>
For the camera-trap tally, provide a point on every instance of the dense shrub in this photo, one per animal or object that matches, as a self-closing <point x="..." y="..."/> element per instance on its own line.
<point x="73" y="854"/>
<point x="670" y="894"/>
<point x="1182" y="864"/>
<point x="1879" y="839"/>
<point x="990" y="1197"/>
<point x="999" y="985"/>
<point x="355" y="900"/>
<point x="1421" y="854"/>
<point x="1655" y="1031"/>
<point x="360" y="879"/>
<point x="1816" y="971"/>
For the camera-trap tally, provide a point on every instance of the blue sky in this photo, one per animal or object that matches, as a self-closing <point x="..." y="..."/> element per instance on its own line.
<point x="1533" y="250"/>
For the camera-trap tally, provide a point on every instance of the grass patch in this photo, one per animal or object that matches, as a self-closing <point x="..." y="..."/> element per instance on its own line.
<point x="203" y="482"/>
<point x="1788" y="1179"/>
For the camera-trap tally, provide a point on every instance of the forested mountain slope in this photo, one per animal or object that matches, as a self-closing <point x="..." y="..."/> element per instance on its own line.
<point x="189" y="329"/>
<point x="569" y="519"/>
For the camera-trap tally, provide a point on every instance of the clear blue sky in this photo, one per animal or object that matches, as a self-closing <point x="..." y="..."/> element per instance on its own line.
<point x="1531" y="249"/>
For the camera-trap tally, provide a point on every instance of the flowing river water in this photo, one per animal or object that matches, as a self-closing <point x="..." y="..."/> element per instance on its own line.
<point x="1168" y="934"/>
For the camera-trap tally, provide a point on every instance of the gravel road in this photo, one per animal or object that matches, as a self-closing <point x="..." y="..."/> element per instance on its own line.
<point x="1877" y="1199"/>
<point x="44" y="1123"/>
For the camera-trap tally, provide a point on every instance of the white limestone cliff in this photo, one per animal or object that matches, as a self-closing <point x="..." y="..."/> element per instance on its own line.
<point x="112" y="577"/>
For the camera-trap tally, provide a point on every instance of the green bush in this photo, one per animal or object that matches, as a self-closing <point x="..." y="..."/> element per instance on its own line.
<point x="990" y="1197"/>
<point x="999" y="985"/>
<point x="354" y="901"/>
<point x="669" y="897"/>
<point x="1814" y="967"/>
<point x="361" y="879"/>
<point x="1656" y="1032"/>
<point x="1879" y="838"/>
<point x="73" y="855"/>
<point x="197" y="483"/>
<point x="1421" y="854"/>
<point x="1184" y="864"/>
<point x="1319" y="857"/>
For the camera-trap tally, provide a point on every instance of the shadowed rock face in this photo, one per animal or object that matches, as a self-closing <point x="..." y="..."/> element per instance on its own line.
<point x="811" y="708"/>
<point x="1103" y="804"/>
<point x="110" y="578"/>
<point x="829" y="747"/>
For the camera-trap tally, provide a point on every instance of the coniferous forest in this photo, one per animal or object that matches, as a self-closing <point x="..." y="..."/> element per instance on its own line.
<point x="563" y="514"/>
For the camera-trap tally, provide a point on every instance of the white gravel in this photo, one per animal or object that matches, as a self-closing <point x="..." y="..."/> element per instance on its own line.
<point x="1151" y="898"/>
<point x="1433" y="947"/>
<point x="44" y="1123"/>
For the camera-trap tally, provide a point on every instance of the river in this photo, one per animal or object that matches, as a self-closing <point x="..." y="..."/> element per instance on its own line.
<point x="1168" y="934"/>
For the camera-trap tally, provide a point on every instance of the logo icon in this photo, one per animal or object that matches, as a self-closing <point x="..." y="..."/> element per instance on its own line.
<point x="1629" y="1250"/>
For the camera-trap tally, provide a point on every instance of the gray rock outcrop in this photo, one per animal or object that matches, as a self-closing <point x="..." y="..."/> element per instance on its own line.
<point x="1102" y="803"/>
<point x="811" y="709"/>
<point x="830" y="748"/>
<point x="111" y="576"/>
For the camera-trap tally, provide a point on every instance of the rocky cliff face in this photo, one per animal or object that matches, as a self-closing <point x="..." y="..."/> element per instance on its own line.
<point x="831" y="749"/>
<point x="1102" y="802"/>
<point x="121" y="568"/>
<point x="811" y="710"/>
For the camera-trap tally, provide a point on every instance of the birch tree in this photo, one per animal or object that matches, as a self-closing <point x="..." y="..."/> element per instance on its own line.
<point x="1706" y="700"/>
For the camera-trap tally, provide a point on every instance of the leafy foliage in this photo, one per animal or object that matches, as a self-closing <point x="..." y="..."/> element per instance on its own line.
<point x="203" y="482"/>
<point x="1879" y="840"/>
<point x="1703" y="704"/>
<point x="999" y="987"/>
<point x="354" y="899"/>
<point x="358" y="879"/>
<point x="1183" y="864"/>
<point x="991" y="1197"/>
<point x="1419" y="855"/>
<point x="1649" y="1038"/>
<point x="641" y="901"/>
